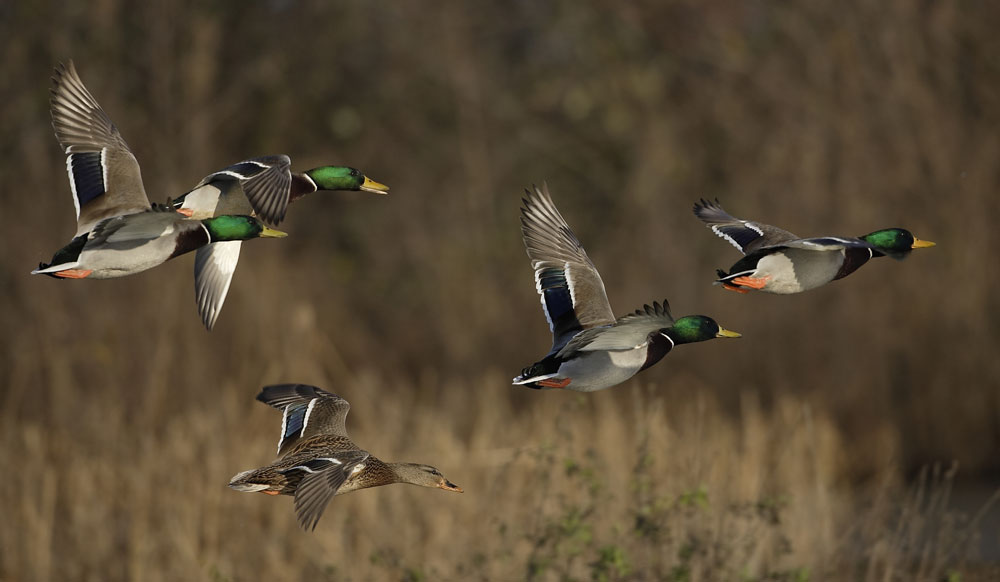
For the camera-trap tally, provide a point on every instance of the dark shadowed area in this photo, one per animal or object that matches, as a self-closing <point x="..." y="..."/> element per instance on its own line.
<point x="853" y="433"/>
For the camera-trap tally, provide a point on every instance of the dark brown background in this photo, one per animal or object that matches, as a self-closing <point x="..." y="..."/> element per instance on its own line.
<point x="123" y="419"/>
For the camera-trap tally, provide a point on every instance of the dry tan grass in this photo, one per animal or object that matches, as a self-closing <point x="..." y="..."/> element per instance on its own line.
<point x="626" y="484"/>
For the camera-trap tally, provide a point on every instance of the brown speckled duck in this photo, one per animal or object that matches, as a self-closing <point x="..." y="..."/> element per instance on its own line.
<point x="316" y="458"/>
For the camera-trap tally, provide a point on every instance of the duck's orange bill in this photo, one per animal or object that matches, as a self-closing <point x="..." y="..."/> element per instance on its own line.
<point x="921" y="244"/>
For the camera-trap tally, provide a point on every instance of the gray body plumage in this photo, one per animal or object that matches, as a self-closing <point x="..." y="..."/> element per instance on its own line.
<point x="798" y="267"/>
<point x="130" y="244"/>
<point x="596" y="370"/>
<point x="591" y="348"/>
<point x="789" y="264"/>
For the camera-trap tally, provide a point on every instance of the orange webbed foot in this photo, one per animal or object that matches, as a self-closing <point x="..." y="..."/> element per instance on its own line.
<point x="74" y="273"/>
<point x="751" y="282"/>
<point x="555" y="383"/>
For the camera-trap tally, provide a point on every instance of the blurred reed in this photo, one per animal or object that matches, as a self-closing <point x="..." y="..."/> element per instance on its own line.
<point x="123" y="419"/>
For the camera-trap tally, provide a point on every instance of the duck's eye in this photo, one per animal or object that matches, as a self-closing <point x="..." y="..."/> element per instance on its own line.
<point x="354" y="172"/>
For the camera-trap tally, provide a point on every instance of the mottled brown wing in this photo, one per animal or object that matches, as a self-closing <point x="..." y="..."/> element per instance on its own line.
<point x="324" y="476"/>
<point x="308" y="411"/>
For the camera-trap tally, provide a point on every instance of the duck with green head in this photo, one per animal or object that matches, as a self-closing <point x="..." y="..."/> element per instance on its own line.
<point x="317" y="460"/>
<point x="777" y="261"/>
<point x="591" y="349"/>
<point x="130" y="244"/>
<point x="118" y="233"/>
<point x="260" y="186"/>
<point x="265" y="186"/>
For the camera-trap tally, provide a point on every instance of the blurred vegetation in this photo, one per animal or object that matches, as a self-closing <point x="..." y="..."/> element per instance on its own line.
<point x="123" y="418"/>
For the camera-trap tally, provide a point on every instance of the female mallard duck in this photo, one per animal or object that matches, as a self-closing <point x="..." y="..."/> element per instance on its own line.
<point x="260" y="186"/>
<point x="118" y="233"/>
<point x="591" y="350"/>
<point x="316" y="458"/>
<point x="779" y="262"/>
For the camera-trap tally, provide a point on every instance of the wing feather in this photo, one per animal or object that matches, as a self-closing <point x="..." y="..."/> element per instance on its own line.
<point x="308" y="411"/>
<point x="103" y="173"/>
<point x="628" y="332"/>
<point x="746" y="235"/>
<point x="571" y="290"/>
<point x="324" y="477"/>
<point x="214" y="265"/>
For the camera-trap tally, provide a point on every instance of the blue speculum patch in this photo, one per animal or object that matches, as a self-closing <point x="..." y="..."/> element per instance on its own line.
<point x="87" y="176"/>
<point x="296" y="419"/>
<point x="558" y="303"/>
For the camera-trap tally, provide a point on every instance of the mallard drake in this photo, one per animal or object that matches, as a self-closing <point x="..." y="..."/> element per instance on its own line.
<point x="265" y="186"/>
<point x="118" y="232"/>
<point x="129" y="244"/>
<point x="260" y="186"/>
<point x="777" y="261"/>
<point x="316" y="458"/>
<point x="591" y="349"/>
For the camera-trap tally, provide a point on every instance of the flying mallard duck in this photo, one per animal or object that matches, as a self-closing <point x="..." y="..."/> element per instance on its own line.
<point x="118" y="232"/>
<point x="316" y="458"/>
<point x="265" y="186"/>
<point x="591" y="350"/>
<point x="262" y="187"/>
<point x="779" y="262"/>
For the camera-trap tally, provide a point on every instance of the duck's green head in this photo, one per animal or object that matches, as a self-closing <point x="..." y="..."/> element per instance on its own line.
<point x="697" y="328"/>
<point x="238" y="227"/>
<point x="344" y="178"/>
<point x="895" y="241"/>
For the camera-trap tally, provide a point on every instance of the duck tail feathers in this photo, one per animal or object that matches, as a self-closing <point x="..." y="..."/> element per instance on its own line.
<point x="533" y="374"/>
<point x="50" y="269"/>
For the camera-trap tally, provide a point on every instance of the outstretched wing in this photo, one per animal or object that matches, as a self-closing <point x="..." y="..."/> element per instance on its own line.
<point x="628" y="332"/>
<point x="745" y="235"/>
<point x="323" y="478"/>
<point x="103" y="174"/>
<point x="571" y="289"/>
<point x="259" y="185"/>
<point x="308" y="411"/>
<point x="214" y="265"/>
